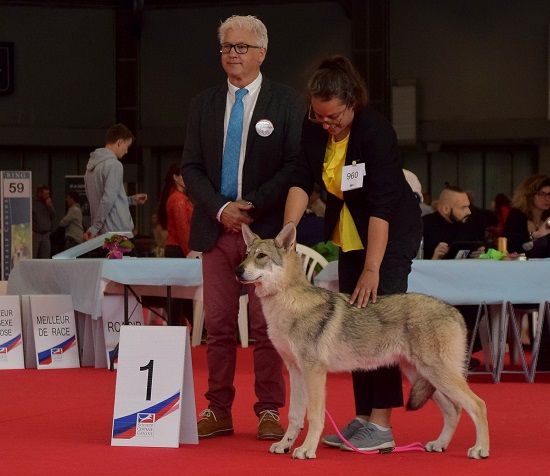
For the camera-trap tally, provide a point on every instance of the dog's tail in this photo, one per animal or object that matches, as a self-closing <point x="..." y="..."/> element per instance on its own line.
<point x="421" y="392"/>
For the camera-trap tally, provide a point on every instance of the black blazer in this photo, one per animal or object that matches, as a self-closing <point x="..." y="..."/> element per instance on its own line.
<point x="268" y="165"/>
<point x="385" y="193"/>
<point x="517" y="232"/>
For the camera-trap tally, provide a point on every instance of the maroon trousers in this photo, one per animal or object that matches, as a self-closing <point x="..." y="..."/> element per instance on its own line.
<point x="221" y="294"/>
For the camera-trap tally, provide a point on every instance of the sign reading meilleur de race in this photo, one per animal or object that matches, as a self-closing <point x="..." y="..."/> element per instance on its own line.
<point x="54" y="331"/>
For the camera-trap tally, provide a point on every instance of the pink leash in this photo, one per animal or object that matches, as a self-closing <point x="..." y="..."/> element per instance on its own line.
<point x="398" y="449"/>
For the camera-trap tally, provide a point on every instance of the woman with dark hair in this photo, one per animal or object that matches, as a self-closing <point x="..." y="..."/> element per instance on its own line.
<point x="527" y="229"/>
<point x="174" y="212"/>
<point x="371" y="214"/>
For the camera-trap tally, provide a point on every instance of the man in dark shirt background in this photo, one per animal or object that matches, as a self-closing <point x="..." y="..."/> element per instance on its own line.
<point x="451" y="223"/>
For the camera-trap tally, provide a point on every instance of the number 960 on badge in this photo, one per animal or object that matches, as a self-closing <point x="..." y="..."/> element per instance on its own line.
<point x="352" y="176"/>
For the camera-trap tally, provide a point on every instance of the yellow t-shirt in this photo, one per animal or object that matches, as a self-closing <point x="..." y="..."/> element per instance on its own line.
<point x="345" y="233"/>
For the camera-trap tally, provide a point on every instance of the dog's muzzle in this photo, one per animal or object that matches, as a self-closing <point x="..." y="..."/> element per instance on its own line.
<point x="239" y="273"/>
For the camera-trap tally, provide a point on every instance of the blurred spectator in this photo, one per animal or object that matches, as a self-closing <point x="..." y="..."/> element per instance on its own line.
<point x="451" y="223"/>
<point x="414" y="183"/>
<point x="502" y="207"/>
<point x="43" y="214"/>
<point x="526" y="226"/>
<point x="174" y="212"/>
<point x="109" y="204"/>
<point x="72" y="221"/>
<point x="479" y="215"/>
<point x="528" y="231"/>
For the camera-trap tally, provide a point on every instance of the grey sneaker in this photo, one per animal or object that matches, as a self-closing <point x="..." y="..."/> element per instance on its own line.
<point x="370" y="438"/>
<point x="353" y="427"/>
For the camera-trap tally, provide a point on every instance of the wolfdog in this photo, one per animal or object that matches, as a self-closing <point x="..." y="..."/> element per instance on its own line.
<point x="317" y="331"/>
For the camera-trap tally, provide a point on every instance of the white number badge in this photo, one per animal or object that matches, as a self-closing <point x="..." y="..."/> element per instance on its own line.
<point x="352" y="176"/>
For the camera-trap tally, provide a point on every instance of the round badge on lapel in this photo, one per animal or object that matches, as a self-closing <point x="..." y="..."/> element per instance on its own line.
<point x="264" y="127"/>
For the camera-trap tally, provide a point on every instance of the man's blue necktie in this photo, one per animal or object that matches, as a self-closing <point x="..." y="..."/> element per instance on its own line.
<point x="232" y="150"/>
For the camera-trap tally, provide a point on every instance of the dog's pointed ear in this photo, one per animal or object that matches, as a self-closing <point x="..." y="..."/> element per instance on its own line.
<point x="248" y="235"/>
<point x="287" y="236"/>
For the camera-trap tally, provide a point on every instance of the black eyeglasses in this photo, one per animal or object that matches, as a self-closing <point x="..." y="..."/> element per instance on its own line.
<point x="332" y="121"/>
<point x="240" y="48"/>
<point x="542" y="194"/>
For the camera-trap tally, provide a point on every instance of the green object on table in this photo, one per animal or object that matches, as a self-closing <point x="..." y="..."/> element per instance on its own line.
<point x="492" y="254"/>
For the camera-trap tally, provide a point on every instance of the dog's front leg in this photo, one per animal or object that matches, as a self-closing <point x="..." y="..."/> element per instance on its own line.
<point x="315" y="378"/>
<point x="296" y="411"/>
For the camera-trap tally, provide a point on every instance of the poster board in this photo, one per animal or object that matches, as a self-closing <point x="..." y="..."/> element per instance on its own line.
<point x="54" y="331"/>
<point x="11" y="333"/>
<point x="16" y="229"/>
<point x="113" y="318"/>
<point x="154" y="396"/>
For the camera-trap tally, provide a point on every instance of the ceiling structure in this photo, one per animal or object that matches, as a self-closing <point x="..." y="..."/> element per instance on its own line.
<point x="158" y="4"/>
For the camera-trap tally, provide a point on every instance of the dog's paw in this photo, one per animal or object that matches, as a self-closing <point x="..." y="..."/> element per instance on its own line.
<point x="280" y="447"/>
<point x="477" y="452"/>
<point x="304" y="453"/>
<point x="435" y="447"/>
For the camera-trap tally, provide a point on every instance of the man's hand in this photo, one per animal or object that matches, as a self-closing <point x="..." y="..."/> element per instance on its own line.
<point x="139" y="198"/>
<point x="477" y="253"/>
<point x="441" y="250"/>
<point x="88" y="235"/>
<point x="235" y="214"/>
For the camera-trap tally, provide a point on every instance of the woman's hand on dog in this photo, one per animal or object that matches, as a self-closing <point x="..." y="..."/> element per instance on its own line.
<point x="366" y="288"/>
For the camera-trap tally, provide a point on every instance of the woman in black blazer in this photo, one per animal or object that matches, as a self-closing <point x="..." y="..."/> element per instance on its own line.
<point x="371" y="214"/>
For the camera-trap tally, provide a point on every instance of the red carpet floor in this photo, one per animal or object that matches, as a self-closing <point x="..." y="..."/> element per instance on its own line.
<point x="59" y="422"/>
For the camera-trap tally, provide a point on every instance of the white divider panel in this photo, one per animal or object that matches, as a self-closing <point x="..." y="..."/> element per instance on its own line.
<point x="154" y="397"/>
<point x="54" y="331"/>
<point x="113" y="318"/>
<point x="11" y="333"/>
<point x="28" y="336"/>
<point x="84" y="331"/>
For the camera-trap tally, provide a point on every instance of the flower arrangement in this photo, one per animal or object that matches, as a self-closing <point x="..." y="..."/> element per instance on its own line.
<point x="117" y="246"/>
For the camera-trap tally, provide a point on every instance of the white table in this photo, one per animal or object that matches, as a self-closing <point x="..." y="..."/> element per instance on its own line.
<point x="88" y="279"/>
<point x="470" y="281"/>
<point x="478" y="282"/>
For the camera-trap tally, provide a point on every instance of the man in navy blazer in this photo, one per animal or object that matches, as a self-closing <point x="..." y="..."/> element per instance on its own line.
<point x="269" y="146"/>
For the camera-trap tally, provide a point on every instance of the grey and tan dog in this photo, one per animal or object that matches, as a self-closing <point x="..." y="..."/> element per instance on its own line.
<point x="317" y="331"/>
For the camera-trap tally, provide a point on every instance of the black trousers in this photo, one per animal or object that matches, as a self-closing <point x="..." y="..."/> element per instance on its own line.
<point x="380" y="388"/>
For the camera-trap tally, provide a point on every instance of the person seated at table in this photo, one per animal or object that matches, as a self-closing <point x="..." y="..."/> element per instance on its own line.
<point x="448" y="224"/>
<point x="528" y="231"/>
<point x="526" y="228"/>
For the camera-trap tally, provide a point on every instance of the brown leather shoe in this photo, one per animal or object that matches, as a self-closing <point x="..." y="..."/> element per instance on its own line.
<point x="211" y="426"/>
<point x="269" y="427"/>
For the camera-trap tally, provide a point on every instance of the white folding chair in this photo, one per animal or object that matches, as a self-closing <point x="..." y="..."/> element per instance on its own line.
<point x="311" y="259"/>
<point x="198" y="315"/>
